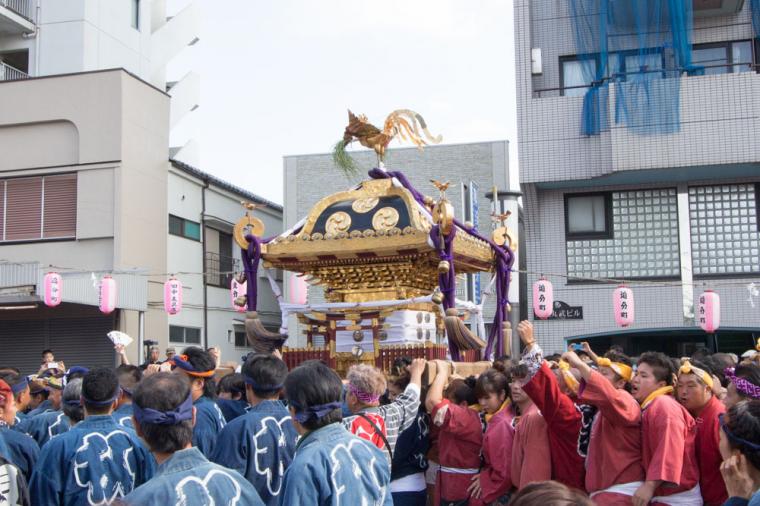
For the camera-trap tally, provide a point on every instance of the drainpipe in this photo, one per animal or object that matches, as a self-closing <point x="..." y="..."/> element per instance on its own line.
<point x="203" y="260"/>
<point x="140" y="336"/>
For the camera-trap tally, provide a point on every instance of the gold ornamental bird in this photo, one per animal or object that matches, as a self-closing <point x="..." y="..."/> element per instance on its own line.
<point x="404" y="123"/>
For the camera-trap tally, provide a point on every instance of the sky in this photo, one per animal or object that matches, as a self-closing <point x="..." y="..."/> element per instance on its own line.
<point x="277" y="77"/>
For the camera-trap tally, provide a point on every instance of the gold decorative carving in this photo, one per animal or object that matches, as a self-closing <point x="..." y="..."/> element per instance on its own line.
<point x="364" y="205"/>
<point x="385" y="219"/>
<point x="245" y="225"/>
<point x="337" y="223"/>
<point x="443" y="215"/>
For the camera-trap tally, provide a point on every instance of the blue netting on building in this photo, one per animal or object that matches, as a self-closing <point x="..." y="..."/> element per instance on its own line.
<point x="636" y="51"/>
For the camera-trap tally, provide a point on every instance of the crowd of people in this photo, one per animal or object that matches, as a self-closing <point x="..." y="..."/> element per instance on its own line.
<point x="569" y="429"/>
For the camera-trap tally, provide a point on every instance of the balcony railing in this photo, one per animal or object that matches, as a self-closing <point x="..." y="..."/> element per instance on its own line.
<point x="8" y="73"/>
<point x="219" y="269"/>
<point x="23" y="8"/>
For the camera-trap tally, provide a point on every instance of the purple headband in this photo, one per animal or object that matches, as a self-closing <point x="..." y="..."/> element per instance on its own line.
<point x="106" y="402"/>
<point x="362" y="395"/>
<point x="172" y="417"/>
<point x="742" y="385"/>
<point x="261" y="388"/>
<point x="315" y="412"/>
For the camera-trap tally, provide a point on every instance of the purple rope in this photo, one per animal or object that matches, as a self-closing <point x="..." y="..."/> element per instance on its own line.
<point x="447" y="281"/>
<point x="505" y="258"/>
<point x="251" y="258"/>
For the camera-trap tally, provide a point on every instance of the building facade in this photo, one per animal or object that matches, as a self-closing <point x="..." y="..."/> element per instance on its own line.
<point x="473" y="170"/>
<point x="50" y="37"/>
<point x="83" y="191"/>
<point x="671" y="209"/>
<point x="202" y="212"/>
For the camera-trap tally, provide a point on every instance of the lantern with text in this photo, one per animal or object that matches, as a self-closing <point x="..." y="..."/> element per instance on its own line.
<point x="543" y="298"/>
<point x="107" y="301"/>
<point x="298" y="289"/>
<point x="237" y="290"/>
<point x="624" y="308"/>
<point x="709" y="311"/>
<point x="53" y="285"/>
<point x="173" y="296"/>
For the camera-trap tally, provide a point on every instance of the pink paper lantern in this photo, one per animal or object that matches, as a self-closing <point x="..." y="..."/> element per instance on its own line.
<point x="622" y="301"/>
<point x="709" y="311"/>
<point x="173" y="296"/>
<point x="53" y="286"/>
<point x="543" y="298"/>
<point x="107" y="301"/>
<point x="299" y="289"/>
<point x="237" y="290"/>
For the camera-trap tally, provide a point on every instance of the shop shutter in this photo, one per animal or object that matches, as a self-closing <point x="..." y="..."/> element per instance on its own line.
<point x="21" y="344"/>
<point x="82" y="341"/>
<point x="60" y="206"/>
<point x="23" y="208"/>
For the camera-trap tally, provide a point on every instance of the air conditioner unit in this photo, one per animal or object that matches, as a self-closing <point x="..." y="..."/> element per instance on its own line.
<point x="714" y="8"/>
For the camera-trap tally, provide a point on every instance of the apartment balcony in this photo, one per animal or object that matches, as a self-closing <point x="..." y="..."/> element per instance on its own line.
<point x="719" y="122"/>
<point x="220" y="269"/>
<point x="17" y="17"/>
<point x="8" y="73"/>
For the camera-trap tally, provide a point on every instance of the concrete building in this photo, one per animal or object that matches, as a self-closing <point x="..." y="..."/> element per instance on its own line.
<point x="202" y="212"/>
<point x="50" y="37"/>
<point x="474" y="170"/>
<point x="83" y="191"/>
<point x="672" y="214"/>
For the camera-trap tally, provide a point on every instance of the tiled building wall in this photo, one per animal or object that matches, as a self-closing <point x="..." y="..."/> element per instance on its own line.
<point x="719" y="113"/>
<point x="644" y="242"/>
<point x="724" y="229"/>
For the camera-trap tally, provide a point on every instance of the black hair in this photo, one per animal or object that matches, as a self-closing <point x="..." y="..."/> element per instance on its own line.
<point x="617" y="349"/>
<point x="267" y="372"/>
<point x="129" y="377"/>
<point x="202" y="361"/>
<point x="232" y="383"/>
<point x="75" y="375"/>
<point x="553" y="358"/>
<point x="400" y="365"/>
<point x="70" y="401"/>
<point x="462" y="390"/>
<point x="492" y="381"/>
<point x="312" y="384"/>
<point x="662" y="366"/>
<point x="9" y="370"/>
<point x="99" y="385"/>
<point x="14" y="379"/>
<point x="164" y="391"/>
<point x="47" y="351"/>
<point x="744" y="423"/>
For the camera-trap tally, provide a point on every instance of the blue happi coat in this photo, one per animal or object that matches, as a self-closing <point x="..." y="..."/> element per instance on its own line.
<point x="46" y="405"/>
<point x="260" y="446"/>
<point x="187" y="478"/>
<point x="123" y="415"/>
<point x="23" y="450"/>
<point x="209" y="422"/>
<point x="232" y="409"/>
<point x="333" y="467"/>
<point x="42" y="428"/>
<point x="96" y="462"/>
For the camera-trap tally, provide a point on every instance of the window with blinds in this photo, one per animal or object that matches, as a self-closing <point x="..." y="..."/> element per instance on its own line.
<point x="38" y="208"/>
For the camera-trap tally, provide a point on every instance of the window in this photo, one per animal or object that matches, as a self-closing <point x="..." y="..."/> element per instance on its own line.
<point x="575" y="72"/>
<point x="588" y="216"/>
<point x="757" y="206"/>
<point x="240" y="339"/>
<point x="38" y="208"/>
<point x="134" y="16"/>
<point x="187" y="335"/>
<point x="184" y="228"/>
<point x="718" y="57"/>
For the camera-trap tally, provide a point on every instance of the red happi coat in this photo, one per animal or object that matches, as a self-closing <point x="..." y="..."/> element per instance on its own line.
<point x="708" y="456"/>
<point x="531" y="457"/>
<point x="564" y="422"/>
<point x="460" y="439"/>
<point x="496" y="474"/>
<point x="668" y="449"/>
<point x="614" y="453"/>
<point x="361" y="427"/>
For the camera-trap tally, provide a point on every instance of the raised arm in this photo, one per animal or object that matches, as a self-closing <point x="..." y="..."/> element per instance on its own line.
<point x="435" y="392"/>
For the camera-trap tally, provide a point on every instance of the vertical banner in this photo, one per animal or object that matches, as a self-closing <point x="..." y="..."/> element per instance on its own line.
<point x="474" y="212"/>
